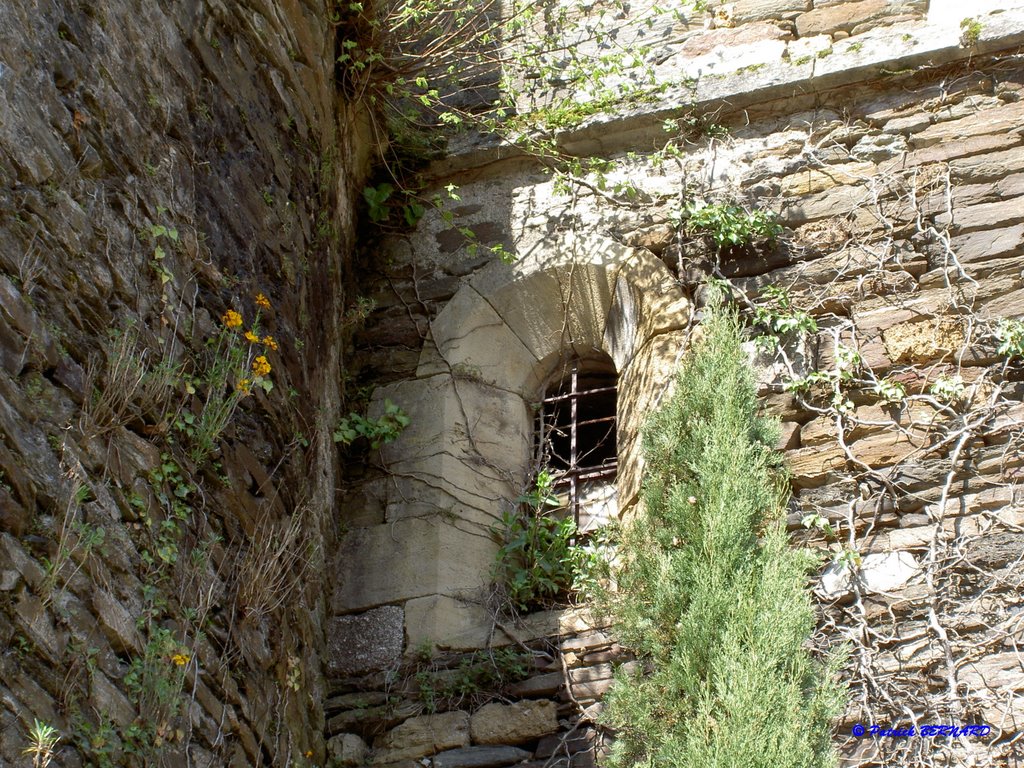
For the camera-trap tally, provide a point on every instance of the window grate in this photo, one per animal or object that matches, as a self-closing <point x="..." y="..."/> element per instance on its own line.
<point x="577" y="428"/>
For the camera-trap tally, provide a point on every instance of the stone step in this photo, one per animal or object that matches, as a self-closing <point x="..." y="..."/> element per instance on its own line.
<point x="480" y="757"/>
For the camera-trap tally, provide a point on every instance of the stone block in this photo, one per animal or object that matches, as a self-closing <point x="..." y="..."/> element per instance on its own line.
<point x="986" y="165"/>
<point x="346" y="750"/>
<point x="988" y="244"/>
<point x="529" y="305"/>
<point x="366" y="642"/>
<point x="643" y="385"/>
<point x="446" y="622"/>
<point x="514" y="723"/>
<point x="107" y="698"/>
<point x="645" y="284"/>
<point x="995" y="672"/>
<point x="553" y="623"/>
<point x="813" y="180"/>
<point x="746" y="11"/>
<point x="928" y="341"/>
<point x="117" y="623"/>
<point x="421" y="736"/>
<point x="877" y="573"/>
<point x="409" y="558"/>
<point x="997" y="120"/>
<point x="466" y="449"/>
<point x="14" y="557"/>
<point x="473" y="341"/>
<point x="847" y="16"/>
<point x="480" y="757"/>
<point x="985" y="215"/>
<point x="540" y="685"/>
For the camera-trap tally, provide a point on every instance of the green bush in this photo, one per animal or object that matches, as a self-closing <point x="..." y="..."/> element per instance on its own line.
<point x="711" y="597"/>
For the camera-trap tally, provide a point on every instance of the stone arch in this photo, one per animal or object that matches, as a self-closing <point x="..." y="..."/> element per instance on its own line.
<point x="467" y="452"/>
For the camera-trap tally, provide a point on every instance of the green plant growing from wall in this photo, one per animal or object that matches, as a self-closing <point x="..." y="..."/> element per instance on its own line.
<point x="728" y="225"/>
<point x="377" y="432"/>
<point x="43" y="740"/>
<point x="970" y="32"/>
<point x="534" y="565"/>
<point x="1010" y="335"/>
<point x="711" y="597"/>
<point x="476" y="677"/>
<point x="232" y="365"/>
<point x="543" y="559"/>
<point x="429" y="68"/>
<point x="778" y="318"/>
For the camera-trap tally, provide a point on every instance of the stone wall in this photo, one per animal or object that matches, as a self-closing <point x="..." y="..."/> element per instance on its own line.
<point x="161" y="603"/>
<point x="886" y="137"/>
<point x="529" y="695"/>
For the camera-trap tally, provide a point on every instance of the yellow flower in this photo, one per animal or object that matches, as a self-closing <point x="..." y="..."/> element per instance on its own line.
<point x="309" y="753"/>
<point x="269" y="341"/>
<point x="181" y="659"/>
<point x="251" y="336"/>
<point x="260" y="366"/>
<point x="243" y="386"/>
<point x="231" y="319"/>
<point x="262" y="301"/>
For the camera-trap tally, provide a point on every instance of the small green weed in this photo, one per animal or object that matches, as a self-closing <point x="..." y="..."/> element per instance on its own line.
<point x="1010" y="335"/>
<point x="949" y="388"/>
<point x="476" y="675"/>
<point x="970" y="32"/>
<point x="386" y="429"/>
<point x="778" y="318"/>
<point x="43" y="739"/>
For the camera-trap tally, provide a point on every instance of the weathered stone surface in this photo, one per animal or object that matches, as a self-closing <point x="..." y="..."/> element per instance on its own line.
<point x="466" y="441"/>
<point x="554" y="623"/>
<point x="371" y="721"/>
<point x="813" y="180"/>
<point x="917" y="342"/>
<point x="346" y="750"/>
<point x="480" y="757"/>
<point x="878" y="572"/>
<point x="988" y="243"/>
<point x="985" y="165"/>
<point x="729" y="38"/>
<point x="513" y="723"/>
<point x="366" y="642"/>
<point x="471" y="339"/>
<point x="745" y="11"/>
<point x="424" y="557"/>
<point x="446" y="622"/>
<point x="996" y="672"/>
<point x="846" y="16"/>
<point x="998" y="120"/>
<point x="537" y="686"/>
<point x="117" y="622"/>
<point x="109" y="699"/>
<point x="357" y="700"/>
<point x="424" y="735"/>
<point x="985" y="215"/>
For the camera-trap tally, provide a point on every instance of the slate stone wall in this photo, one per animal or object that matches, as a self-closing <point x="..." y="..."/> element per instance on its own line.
<point x="156" y="610"/>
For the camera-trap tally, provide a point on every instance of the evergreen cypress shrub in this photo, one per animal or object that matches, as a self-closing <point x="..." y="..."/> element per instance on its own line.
<point x="711" y="597"/>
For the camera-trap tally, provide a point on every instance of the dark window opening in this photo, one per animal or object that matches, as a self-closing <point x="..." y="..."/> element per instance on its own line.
<point x="576" y="428"/>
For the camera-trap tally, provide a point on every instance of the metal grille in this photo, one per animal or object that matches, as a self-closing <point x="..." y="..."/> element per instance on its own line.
<point x="577" y="428"/>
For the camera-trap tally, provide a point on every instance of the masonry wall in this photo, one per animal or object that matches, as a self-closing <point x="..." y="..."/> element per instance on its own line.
<point x="886" y="137"/>
<point x="161" y="163"/>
